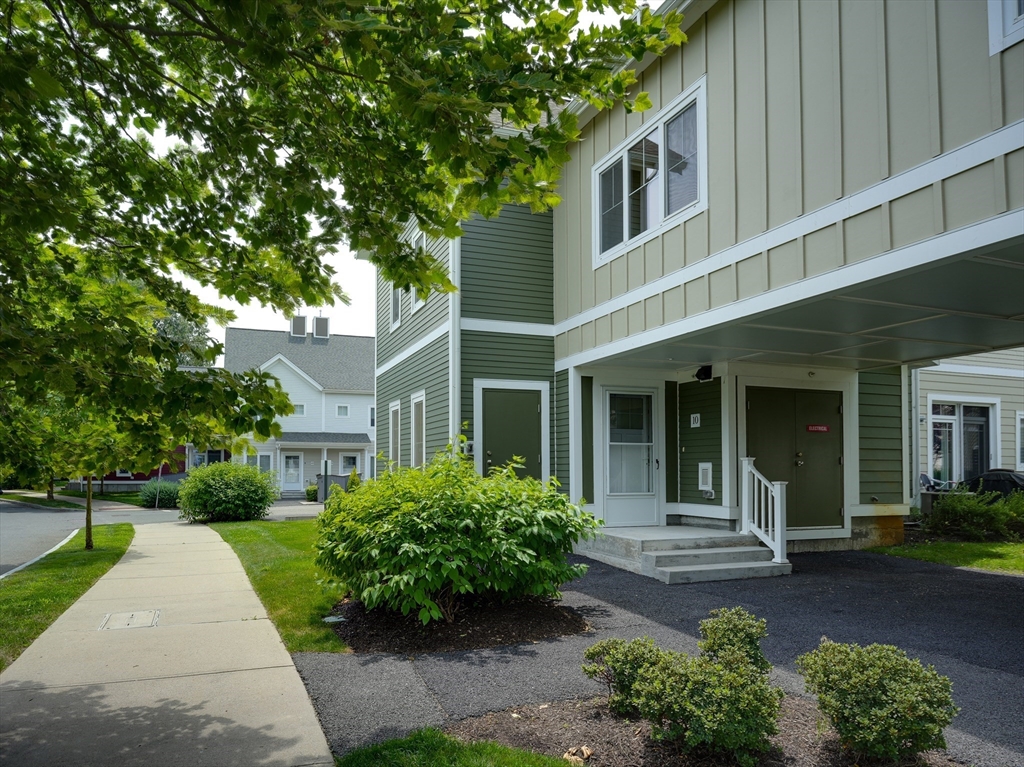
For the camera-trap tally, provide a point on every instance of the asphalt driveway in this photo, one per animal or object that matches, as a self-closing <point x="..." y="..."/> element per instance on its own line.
<point x="969" y="625"/>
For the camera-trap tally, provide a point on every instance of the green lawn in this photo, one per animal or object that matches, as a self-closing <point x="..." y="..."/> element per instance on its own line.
<point x="997" y="557"/>
<point x="54" y="504"/>
<point x="133" y="498"/>
<point x="33" y="598"/>
<point x="430" y="748"/>
<point x="278" y="558"/>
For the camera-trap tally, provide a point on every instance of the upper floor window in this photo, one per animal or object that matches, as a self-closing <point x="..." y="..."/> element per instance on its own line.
<point x="373" y="417"/>
<point x="656" y="178"/>
<point x="1005" y="24"/>
<point x="342" y="411"/>
<point x="300" y="409"/>
<point x="419" y="298"/>
<point x="396" y="307"/>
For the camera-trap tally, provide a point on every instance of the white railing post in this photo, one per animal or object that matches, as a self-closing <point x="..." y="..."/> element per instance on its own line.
<point x="779" y="522"/>
<point x="746" y="499"/>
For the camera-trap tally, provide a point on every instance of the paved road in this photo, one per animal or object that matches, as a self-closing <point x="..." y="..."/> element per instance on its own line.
<point x="968" y="624"/>
<point x="27" y="532"/>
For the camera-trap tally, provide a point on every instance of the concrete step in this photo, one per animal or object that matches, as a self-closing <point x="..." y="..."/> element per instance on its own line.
<point x="726" y="571"/>
<point x="708" y="542"/>
<point x="626" y="546"/>
<point x="716" y="556"/>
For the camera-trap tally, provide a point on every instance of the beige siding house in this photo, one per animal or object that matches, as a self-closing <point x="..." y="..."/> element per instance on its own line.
<point x="826" y="194"/>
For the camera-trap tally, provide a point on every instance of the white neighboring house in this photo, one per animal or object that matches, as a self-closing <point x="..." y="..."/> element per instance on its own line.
<point x="970" y="416"/>
<point x="329" y="379"/>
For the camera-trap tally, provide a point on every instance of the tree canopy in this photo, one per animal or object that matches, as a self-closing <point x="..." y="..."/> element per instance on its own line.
<point x="237" y="143"/>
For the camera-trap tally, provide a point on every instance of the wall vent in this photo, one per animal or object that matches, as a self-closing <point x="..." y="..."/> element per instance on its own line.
<point x="299" y="327"/>
<point x="321" y="327"/>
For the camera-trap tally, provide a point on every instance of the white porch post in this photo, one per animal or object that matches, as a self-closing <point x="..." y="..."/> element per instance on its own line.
<point x="323" y="462"/>
<point x="745" y="499"/>
<point x="779" y="521"/>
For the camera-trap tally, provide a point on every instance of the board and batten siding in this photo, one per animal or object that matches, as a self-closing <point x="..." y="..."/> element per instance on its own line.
<point x="414" y="325"/>
<point x="880" y="422"/>
<point x="427" y="370"/>
<point x="702" y="443"/>
<point x="506" y="357"/>
<point x="808" y="101"/>
<point x="506" y="266"/>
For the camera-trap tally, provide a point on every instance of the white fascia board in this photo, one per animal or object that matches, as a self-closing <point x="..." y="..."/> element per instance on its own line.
<point x="975" y="370"/>
<point x="964" y="240"/>
<point x="507" y="327"/>
<point x="281" y="358"/>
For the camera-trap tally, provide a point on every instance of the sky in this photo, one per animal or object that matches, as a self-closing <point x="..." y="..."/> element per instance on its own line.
<point x="357" y="279"/>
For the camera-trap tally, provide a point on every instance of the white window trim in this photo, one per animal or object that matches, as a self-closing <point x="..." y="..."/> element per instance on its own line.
<point x="256" y="460"/>
<point x="994" y="442"/>
<point x="123" y="473"/>
<point x="695" y="94"/>
<point x="1019" y="434"/>
<point x="421" y="397"/>
<point x="479" y="384"/>
<point x="341" y="463"/>
<point x="338" y="412"/>
<point x="298" y="413"/>
<point x="416" y="302"/>
<point x="394" y="445"/>
<point x="395" y="324"/>
<point x="1005" y="28"/>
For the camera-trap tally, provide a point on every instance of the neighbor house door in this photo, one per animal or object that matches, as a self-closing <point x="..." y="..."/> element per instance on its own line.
<point x="631" y="463"/>
<point x="796" y="436"/>
<point x="512" y="427"/>
<point x="291" y="475"/>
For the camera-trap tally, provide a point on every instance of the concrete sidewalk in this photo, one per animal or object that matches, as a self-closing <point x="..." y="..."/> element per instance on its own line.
<point x="202" y="679"/>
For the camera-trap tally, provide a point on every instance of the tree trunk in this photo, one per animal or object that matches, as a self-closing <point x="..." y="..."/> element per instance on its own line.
<point x="49" y="490"/>
<point x="88" y="514"/>
<point x="101" y="484"/>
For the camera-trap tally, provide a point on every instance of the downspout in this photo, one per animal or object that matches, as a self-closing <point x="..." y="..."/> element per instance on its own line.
<point x="915" y="425"/>
<point x="455" y="341"/>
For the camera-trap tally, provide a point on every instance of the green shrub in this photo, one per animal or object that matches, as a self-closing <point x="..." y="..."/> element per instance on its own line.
<point x="720" y="703"/>
<point x="226" y="492"/>
<point x="882" y="703"/>
<point x="735" y="629"/>
<point x="620" y="664"/>
<point x="977" y="517"/>
<point x="427" y="539"/>
<point x="311" y="492"/>
<point x="168" y="494"/>
<point x="353" y="480"/>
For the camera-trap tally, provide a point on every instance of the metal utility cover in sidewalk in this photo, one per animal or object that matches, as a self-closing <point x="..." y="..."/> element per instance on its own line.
<point x="134" y="620"/>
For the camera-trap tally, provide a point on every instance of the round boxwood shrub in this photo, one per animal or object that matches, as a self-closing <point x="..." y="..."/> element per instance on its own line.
<point x="429" y="539"/>
<point x="225" y="492"/>
<point x="168" y="494"/>
<point x="620" y="665"/>
<point x="883" y="704"/>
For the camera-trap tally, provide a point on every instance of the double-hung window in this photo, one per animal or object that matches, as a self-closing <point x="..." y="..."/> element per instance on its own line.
<point x="654" y="179"/>
<point x="419" y="297"/>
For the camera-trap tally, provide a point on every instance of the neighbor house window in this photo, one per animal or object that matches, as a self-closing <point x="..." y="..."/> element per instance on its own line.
<point x="960" y="440"/>
<point x="342" y="411"/>
<point x="419" y="429"/>
<point x="300" y="409"/>
<point x="394" y="432"/>
<point x="419" y="297"/>
<point x="124" y="473"/>
<point x="656" y="178"/>
<point x="262" y="460"/>
<point x="373" y="417"/>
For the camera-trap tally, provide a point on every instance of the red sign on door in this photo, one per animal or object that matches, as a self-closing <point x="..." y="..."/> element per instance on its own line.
<point x="817" y="427"/>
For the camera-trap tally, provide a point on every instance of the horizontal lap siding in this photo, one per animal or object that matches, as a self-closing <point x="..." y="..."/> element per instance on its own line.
<point x="427" y="370"/>
<point x="561" y="446"/>
<point x="701" y="444"/>
<point x="506" y="268"/>
<point x="880" y="422"/>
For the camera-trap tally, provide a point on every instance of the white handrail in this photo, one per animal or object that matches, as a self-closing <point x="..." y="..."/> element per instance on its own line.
<point x="763" y="509"/>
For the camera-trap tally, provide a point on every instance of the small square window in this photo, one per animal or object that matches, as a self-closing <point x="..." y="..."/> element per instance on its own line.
<point x="300" y="409"/>
<point x="342" y="411"/>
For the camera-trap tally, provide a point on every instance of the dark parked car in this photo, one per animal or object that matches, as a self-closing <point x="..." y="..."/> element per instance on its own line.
<point x="1001" y="481"/>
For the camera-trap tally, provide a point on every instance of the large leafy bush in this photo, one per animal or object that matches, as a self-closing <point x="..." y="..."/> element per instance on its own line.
<point x="720" y="701"/>
<point x="226" y="492"/>
<point x="882" y="703"/>
<point x="429" y="539"/>
<point x="977" y="517"/>
<point x="166" y="491"/>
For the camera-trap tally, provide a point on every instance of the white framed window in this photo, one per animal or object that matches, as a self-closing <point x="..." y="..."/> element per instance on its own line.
<point x="348" y="463"/>
<point x="419" y="298"/>
<point x="1005" y="24"/>
<point x="373" y="417"/>
<point x="1020" y="440"/>
<point x="654" y="179"/>
<point x="418" y="432"/>
<point x="342" y="411"/>
<point x="395" y="432"/>
<point x="123" y="473"/>
<point x="396" y="307"/>
<point x="963" y="437"/>
<point x="300" y="409"/>
<point x="262" y="460"/>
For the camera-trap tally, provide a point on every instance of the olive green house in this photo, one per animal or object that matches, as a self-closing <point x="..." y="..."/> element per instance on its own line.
<point x="712" y="338"/>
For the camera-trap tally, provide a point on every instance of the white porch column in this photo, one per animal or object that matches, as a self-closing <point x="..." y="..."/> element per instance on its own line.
<point x="323" y="460"/>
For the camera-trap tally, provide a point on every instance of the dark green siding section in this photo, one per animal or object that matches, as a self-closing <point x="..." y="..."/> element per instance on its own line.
<point x="703" y="443"/>
<point x="427" y="371"/>
<point x="881" y="436"/>
<point x="587" y="416"/>
<point x="506" y="267"/>
<point x="561" y="446"/>
<point x="671" y="442"/>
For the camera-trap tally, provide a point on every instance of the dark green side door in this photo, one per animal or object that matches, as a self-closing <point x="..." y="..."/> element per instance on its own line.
<point x="796" y="436"/>
<point x="512" y="427"/>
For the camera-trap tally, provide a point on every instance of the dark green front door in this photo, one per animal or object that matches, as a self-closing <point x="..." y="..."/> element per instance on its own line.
<point x="796" y="436"/>
<point x="512" y="427"/>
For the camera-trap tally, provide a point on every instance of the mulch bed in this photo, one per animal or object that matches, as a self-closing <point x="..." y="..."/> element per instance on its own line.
<point x="615" y="741"/>
<point x="484" y="624"/>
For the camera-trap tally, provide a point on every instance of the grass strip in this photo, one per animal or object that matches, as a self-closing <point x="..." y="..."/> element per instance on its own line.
<point x="10" y="495"/>
<point x="132" y="498"/>
<point x="994" y="557"/>
<point x="33" y="598"/>
<point x="278" y="558"/>
<point x="431" y="748"/>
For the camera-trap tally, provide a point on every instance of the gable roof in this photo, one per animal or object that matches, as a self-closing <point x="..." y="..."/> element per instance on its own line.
<point x="338" y="363"/>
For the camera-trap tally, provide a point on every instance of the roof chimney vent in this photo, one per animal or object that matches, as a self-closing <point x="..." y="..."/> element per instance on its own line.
<point x="321" y="327"/>
<point x="299" y="327"/>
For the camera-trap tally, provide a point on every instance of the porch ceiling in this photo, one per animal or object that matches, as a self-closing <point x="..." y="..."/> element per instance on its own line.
<point x="965" y="305"/>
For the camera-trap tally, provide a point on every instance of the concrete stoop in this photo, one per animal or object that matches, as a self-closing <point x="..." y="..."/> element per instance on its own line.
<point x="684" y="554"/>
